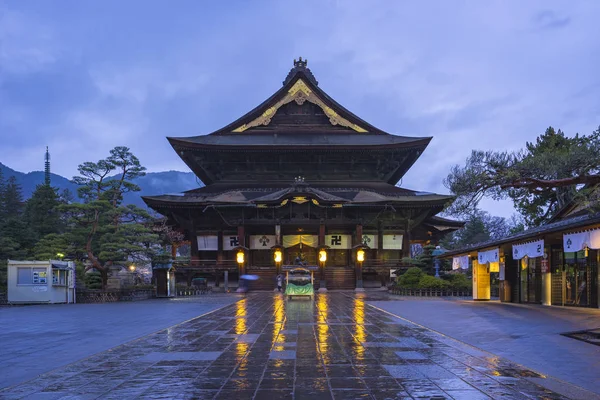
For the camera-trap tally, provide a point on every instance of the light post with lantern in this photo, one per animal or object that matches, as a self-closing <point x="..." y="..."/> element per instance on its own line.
<point x="278" y="259"/>
<point x="322" y="261"/>
<point x="360" y="259"/>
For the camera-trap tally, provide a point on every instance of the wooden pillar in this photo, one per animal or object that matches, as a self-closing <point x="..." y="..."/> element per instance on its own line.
<point x="359" y="265"/>
<point x="322" y="280"/>
<point x="406" y="242"/>
<point x="194" y="256"/>
<point x="322" y="234"/>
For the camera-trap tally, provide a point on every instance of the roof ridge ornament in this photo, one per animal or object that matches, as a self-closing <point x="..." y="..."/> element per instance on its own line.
<point x="300" y="93"/>
<point x="300" y="65"/>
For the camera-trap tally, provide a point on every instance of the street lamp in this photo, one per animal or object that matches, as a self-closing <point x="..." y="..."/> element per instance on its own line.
<point x="60" y="255"/>
<point x="240" y="257"/>
<point x="132" y="268"/>
<point x="322" y="260"/>
<point x="360" y="259"/>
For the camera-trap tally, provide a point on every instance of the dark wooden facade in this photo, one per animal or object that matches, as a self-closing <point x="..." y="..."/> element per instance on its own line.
<point x="301" y="168"/>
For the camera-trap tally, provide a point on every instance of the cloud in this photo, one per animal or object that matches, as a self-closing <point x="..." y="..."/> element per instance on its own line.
<point x="84" y="78"/>
<point x="547" y="19"/>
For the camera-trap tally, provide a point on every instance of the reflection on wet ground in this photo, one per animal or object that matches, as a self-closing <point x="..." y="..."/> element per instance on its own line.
<point x="266" y="347"/>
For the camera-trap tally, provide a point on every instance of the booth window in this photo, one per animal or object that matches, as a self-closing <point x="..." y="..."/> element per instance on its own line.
<point x="59" y="277"/>
<point x="31" y="276"/>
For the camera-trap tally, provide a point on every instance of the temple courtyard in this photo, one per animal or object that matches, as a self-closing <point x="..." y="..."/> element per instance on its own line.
<point x="341" y="345"/>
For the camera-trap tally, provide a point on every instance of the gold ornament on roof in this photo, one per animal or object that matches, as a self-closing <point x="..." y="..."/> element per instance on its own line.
<point x="300" y="93"/>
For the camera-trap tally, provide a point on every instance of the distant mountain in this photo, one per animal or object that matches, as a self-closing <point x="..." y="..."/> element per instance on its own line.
<point x="153" y="183"/>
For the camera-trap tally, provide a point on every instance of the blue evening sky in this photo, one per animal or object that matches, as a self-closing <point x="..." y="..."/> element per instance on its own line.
<point x="84" y="76"/>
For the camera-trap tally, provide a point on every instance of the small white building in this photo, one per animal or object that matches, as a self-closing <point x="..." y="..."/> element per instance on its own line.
<point x="41" y="282"/>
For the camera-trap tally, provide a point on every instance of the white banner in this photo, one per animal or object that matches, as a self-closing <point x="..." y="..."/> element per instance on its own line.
<point x="293" y="240"/>
<point x="230" y="242"/>
<point x="208" y="242"/>
<point x="530" y="249"/>
<point x="489" y="256"/>
<point x="370" y="240"/>
<point x="339" y="241"/>
<point x="262" y="242"/>
<point x="580" y="240"/>
<point x="461" y="262"/>
<point x="595" y="239"/>
<point x="392" y="242"/>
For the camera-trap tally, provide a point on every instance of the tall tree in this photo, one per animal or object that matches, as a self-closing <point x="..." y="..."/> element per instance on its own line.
<point x="540" y="179"/>
<point x="107" y="232"/>
<point x="15" y="238"/>
<point x="42" y="213"/>
<point x="480" y="227"/>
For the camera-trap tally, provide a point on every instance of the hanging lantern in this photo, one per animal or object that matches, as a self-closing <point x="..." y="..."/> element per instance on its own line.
<point x="240" y="257"/>
<point x="278" y="256"/>
<point x="360" y="255"/>
<point x="322" y="256"/>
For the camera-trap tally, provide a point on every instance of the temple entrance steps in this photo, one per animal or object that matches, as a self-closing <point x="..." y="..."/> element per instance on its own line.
<point x="266" y="281"/>
<point x="340" y="278"/>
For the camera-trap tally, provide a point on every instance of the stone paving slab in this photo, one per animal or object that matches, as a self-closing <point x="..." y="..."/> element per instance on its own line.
<point x="530" y="335"/>
<point x="366" y="358"/>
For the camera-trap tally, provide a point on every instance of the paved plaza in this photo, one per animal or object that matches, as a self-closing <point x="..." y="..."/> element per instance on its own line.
<point x="267" y="347"/>
<point x="526" y="334"/>
<point x="38" y="339"/>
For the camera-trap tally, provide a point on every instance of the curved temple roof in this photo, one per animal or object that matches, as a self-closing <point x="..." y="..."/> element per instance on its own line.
<point x="299" y="116"/>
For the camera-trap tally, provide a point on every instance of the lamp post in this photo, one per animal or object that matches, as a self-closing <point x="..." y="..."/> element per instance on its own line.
<point x="322" y="261"/>
<point x="278" y="259"/>
<point x="360" y="259"/>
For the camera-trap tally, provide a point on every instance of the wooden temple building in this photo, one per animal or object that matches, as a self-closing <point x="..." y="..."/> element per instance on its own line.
<point x="300" y="178"/>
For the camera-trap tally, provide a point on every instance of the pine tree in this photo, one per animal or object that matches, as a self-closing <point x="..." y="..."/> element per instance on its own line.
<point x="41" y="212"/>
<point x="13" y="198"/>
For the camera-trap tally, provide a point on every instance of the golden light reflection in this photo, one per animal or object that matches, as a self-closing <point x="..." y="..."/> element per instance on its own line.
<point x="240" y="317"/>
<point x="359" y="333"/>
<point x="322" y="314"/>
<point x="240" y="350"/>
<point x="278" y="321"/>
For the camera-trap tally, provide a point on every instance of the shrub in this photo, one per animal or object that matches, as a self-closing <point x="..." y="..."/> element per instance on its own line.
<point x="431" y="282"/>
<point x="460" y="282"/>
<point x="93" y="280"/>
<point x="410" y="279"/>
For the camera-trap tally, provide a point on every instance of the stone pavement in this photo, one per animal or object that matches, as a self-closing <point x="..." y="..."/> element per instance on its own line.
<point x="529" y="335"/>
<point x="37" y="339"/>
<point x="266" y="347"/>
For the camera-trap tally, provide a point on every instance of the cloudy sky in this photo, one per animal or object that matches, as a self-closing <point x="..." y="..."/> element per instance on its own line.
<point x="85" y="76"/>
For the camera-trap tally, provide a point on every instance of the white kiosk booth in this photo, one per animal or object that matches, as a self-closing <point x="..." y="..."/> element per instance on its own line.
<point x="31" y="282"/>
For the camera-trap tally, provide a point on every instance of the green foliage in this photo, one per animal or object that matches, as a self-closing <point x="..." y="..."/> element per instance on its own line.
<point x="41" y="212"/>
<point x="423" y="261"/>
<point x="539" y="180"/>
<point x="459" y="282"/>
<point x="3" y="274"/>
<point x="480" y="227"/>
<point x="107" y="232"/>
<point x="431" y="282"/>
<point x="410" y="279"/>
<point x="15" y="237"/>
<point x="93" y="280"/>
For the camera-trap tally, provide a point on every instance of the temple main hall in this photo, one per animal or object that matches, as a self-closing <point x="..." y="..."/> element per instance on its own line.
<point x="300" y="179"/>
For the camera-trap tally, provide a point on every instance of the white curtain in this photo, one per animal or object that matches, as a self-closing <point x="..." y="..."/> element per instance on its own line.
<point x="293" y="240"/>
<point x="339" y="242"/>
<point x="529" y="249"/>
<point x="489" y="256"/>
<point x="262" y="242"/>
<point x="230" y="242"/>
<point x="461" y="262"/>
<point x="579" y="241"/>
<point x="392" y="242"/>
<point x="208" y="242"/>
<point x="370" y="240"/>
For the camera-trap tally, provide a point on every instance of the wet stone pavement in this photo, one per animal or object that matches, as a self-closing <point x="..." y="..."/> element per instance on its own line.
<point x="267" y="347"/>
